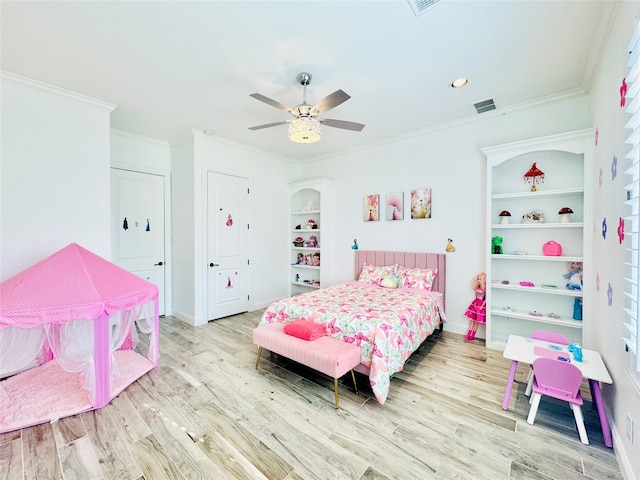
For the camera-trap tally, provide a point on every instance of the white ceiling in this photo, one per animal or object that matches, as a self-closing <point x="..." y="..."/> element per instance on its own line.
<point x="171" y="66"/>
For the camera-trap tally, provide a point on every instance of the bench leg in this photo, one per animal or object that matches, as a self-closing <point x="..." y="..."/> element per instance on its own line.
<point x="335" y="389"/>
<point x="355" y="385"/>
<point x="259" y="353"/>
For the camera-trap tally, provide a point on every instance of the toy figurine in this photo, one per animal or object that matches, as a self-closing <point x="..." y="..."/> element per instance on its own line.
<point x="299" y="259"/>
<point x="315" y="260"/>
<point x="574" y="276"/>
<point x="477" y="311"/>
<point x="449" y="248"/>
<point x="355" y="244"/>
<point x="313" y="242"/>
<point x="496" y="245"/>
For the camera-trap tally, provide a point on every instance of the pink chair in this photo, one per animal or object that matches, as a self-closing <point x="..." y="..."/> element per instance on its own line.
<point x="559" y="380"/>
<point x="547" y="336"/>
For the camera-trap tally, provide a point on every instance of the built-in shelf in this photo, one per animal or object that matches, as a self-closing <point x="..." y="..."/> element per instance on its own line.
<point x="565" y="160"/>
<point x="308" y="200"/>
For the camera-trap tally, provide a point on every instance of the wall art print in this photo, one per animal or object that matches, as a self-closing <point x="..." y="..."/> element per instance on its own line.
<point x="421" y="203"/>
<point x="394" y="206"/>
<point x="371" y="210"/>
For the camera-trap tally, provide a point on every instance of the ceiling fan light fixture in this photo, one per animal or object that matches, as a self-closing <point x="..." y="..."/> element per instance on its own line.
<point x="304" y="130"/>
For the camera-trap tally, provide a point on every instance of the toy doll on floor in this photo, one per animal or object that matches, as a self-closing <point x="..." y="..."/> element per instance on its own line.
<point x="477" y="311"/>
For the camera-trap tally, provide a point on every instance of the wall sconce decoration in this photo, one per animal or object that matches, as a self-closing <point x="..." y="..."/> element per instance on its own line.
<point x="534" y="176"/>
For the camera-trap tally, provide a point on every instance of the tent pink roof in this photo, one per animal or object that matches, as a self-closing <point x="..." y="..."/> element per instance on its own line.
<point x="70" y="284"/>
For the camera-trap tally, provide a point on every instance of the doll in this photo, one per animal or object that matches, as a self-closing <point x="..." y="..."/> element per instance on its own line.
<point x="574" y="276"/>
<point x="477" y="311"/>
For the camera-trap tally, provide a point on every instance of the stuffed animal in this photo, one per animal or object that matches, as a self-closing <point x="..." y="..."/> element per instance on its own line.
<point x="496" y="245"/>
<point x="313" y="242"/>
<point x="574" y="276"/>
<point x="311" y="224"/>
<point x="308" y="207"/>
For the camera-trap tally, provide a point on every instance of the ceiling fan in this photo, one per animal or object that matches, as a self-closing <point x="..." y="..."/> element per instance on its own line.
<point x="306" y="126"/>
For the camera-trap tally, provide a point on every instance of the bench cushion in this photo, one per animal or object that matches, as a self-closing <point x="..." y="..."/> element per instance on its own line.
<point x="328" y="355"/>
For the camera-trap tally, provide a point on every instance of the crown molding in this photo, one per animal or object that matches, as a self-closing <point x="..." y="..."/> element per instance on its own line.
<point x="57" y="90"/>
<point x="136" y="136"/>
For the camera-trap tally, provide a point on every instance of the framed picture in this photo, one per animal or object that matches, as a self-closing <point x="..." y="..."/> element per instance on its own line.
<point x="371" y="211"/>
<point x="421" y="203"/>
<point x="394" y="206"/>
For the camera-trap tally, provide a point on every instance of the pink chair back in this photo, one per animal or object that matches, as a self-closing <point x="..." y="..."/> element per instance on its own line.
<point x="549" y="336"/>
<point x="557" y="379"/>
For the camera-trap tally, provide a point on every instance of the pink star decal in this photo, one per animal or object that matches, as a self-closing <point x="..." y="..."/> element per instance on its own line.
<point x="621" y="230"/>
<point x="623" y="93"/>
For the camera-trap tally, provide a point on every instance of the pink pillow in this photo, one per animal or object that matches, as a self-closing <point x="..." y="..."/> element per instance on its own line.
<point x="372" y="274"/>
<point x="421" y="278"/>
<point x="305" y="329"/>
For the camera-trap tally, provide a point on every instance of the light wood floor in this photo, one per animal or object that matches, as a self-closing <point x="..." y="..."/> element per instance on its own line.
<point x="207" y="413"/>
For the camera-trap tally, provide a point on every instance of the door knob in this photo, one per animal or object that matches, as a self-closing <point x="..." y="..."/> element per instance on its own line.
<point x="214" y="264"/>
<point x="158" y="264"/>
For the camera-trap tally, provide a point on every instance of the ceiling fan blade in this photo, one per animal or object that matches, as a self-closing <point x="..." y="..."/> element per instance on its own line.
<point x="357" y="127"/>
<point x="267" y="125"/>
<point x="271" y="102"/>
<point x="331" y="101"/>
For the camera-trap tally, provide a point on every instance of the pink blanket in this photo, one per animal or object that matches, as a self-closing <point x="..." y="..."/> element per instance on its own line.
<point x="388" y="324"/>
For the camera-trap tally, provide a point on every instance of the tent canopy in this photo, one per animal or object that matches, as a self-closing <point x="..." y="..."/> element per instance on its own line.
<point x="72" y="283"/>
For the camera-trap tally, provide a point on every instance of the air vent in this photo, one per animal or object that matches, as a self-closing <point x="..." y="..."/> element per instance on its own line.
<point x="421" y="6"/>
<point x="485" y="106"/>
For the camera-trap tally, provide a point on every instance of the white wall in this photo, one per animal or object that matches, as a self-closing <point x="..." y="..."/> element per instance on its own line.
<point x="622" y="397"/>
<point x="193" y="156"/>
<point x="55" y="187"/>
<point x="449" y="161"/>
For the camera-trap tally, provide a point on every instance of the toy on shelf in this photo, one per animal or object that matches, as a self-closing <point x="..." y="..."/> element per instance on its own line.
<point x="533" y="176"/>
<point x="299" y="259"/>
<point x="565" y="215"/>
<point x="574" y="276"/>
<point x="504" y="217"/>
<point x="313" y="242"/>
<point x="496" y="245"/>
<point x="315" y="260"/>
<point x="477" y="310"/>
<point x="311" y="224"/>
<point x="308" y="207"/>
<point x="298" y="242"/>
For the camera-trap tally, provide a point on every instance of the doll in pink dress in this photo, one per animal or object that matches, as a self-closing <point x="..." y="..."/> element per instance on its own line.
<point x="477" y="311"/>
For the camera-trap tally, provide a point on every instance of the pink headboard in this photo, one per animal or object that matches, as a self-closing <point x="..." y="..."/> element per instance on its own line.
<point x="406" y="259"/>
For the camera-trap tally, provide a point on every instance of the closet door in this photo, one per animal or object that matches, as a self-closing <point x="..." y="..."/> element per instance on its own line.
<point x="227" y="245"/>
<point x="137" y="210"/>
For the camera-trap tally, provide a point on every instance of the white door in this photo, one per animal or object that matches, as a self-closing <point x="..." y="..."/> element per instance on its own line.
<point x="137" y="212"/>
<point x="227" y="245"/>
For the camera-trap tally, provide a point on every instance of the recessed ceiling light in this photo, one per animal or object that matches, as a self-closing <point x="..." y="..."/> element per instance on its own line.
<point x="459" y="82"/>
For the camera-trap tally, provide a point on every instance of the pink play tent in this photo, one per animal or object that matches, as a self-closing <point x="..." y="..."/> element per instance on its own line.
<point x="69" y="336"/>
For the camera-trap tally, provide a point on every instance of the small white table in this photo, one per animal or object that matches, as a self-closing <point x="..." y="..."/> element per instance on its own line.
<point x="522" y="349"/>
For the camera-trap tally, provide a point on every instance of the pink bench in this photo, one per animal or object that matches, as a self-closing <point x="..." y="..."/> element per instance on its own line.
<point x="327" y="355"/>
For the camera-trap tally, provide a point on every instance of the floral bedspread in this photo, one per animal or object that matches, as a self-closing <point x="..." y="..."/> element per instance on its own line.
<point x="388" y="324"/>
